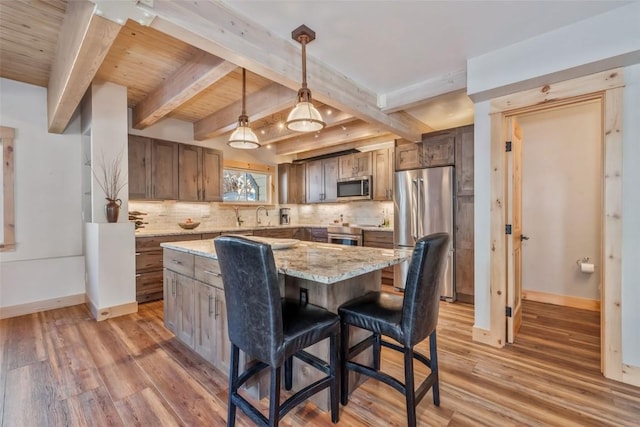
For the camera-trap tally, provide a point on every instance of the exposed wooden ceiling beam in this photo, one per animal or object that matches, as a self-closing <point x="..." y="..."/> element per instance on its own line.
<point x="199" y="73"/>
<point x="350" y="132"/>
<point x="215" y="28"/>
<point x="276" y="131"/>
<point x="84" y="41"/>
<point x="265" y="102"/>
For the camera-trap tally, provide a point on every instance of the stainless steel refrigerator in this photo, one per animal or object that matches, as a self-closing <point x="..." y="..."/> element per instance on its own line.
<point x="423" y="204"/>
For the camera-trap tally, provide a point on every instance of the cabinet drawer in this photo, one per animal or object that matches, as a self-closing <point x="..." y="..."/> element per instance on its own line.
<point x="207" y="236"/>
<point x="151" y="243"/>
<point x="371" y="238"/>
<point x="149" y="261"/>
<point x="208" y="271"/>
<point x="180" y="262"/>
<point x="149" y="286"/>
<point x="280" y="233"/>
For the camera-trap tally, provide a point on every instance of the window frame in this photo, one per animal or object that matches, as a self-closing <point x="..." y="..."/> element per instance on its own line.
<point x="249" y="167"/>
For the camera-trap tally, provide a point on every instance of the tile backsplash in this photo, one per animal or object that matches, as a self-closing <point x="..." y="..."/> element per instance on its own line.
<point x="165" y="215"/>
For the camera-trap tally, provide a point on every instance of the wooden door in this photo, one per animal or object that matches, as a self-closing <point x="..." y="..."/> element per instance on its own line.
<point x="222" y="343"/>
<point x="165" y="170"/>
<point x="205" y="322"/>
<point x="439" y="149"/>
<point x="346" y="166"/>
<point x="190" y="164"/>
<point x="464" y="161"/>
<point x="315" y="183"/>
<point x="362" y="164"/>
<point x="170" y="300"/>
<point x="514" y="241"/>
<point x="383" y="174"/>
<point x="330" y="170"/>
<point x="409" y="155"/>
<point x="139" y="167"/>
<point x="211" y="175"/>
<point x="185" y="308"/>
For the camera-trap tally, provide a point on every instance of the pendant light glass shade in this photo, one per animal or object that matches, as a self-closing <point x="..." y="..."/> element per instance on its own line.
<point x="304" y="117"/>
<point x="243" y="137"/>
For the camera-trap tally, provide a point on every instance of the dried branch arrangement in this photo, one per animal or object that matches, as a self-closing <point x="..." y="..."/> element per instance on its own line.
<point x="109" y="176"/>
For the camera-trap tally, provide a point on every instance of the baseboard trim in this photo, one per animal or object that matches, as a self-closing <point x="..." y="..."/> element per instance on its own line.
<point x="631" y="375"/>
<point x="38" y="306"/>
<point x="564" y="300"/>
<point x="115" y="311"/>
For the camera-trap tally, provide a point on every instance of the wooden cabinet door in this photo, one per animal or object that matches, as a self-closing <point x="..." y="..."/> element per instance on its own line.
<point x="363" y="164"/>
<point x="211" y="175"/>
<point x="139" y="167"/>
<point x="464" y="253"/>
<point x="190" y="167"/>
<point x="345" y="166"/>
<point x="330" y="171"/>
<point x="291" y="183"/>
<point x="165" y="170"/>
<point x="315" y="182"/>
<point x="205" y="322"/>
<point x="439" y="149"/>
<point x="222" y="343"/>
<point x="464" y="161"/>
<point x="170" y="300"/>
<point x="185" y="309"/>
<point x="383" y="174"/>
<point x="409" y="155"/>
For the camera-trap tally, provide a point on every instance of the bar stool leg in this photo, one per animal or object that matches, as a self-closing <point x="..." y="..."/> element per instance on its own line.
<point x="334" y="372"/>
<point x="410" y="393"/>
<point x="344" y="374"/>
<point x="376" y="351"/>
<point x="274" y="397"/>
<point x="434" y="368"/>
<point x="233" y="388"/>
<point x="288" y="373"/>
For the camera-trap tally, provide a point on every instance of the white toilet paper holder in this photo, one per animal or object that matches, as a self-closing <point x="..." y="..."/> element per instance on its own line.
<point x="582" y="260"/>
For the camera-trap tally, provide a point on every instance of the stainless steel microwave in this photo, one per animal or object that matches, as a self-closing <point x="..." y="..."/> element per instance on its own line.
<point x="356" y="188"/>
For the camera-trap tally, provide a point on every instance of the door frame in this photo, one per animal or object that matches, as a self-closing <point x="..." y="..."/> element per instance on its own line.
<point x="608" y="88"/>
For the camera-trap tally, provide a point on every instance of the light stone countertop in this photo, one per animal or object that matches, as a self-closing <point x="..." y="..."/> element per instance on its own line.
<point x="176" y="230"/>
<point x="320" y="262"/>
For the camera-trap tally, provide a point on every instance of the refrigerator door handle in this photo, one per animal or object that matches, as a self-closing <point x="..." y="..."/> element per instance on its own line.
<point x="421" y="208"/>
<point x="416" y="212"/>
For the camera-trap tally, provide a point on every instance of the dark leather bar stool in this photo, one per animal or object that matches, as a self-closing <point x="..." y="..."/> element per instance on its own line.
<point x="408" y="320"/>
<point x="271" y="330"/>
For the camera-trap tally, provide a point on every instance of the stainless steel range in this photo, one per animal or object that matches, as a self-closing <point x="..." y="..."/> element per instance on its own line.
<point x="341" y="235"/>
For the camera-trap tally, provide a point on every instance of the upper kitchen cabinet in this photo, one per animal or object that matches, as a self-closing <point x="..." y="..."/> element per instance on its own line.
<point x="464" y="161"/>
<point x="139" y="167"/>
<point x="408" y="155"/>
<point x="322" y="180"/>
<point x="383" y="174"/>
<point x="200" y="174"/>
<point x="164" y="170"/>
<point x="438" y="148"/>
<point x="291" y="183"/>
<point x="352" y="165"/>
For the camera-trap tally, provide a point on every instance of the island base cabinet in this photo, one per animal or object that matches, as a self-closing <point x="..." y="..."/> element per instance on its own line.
<point x="170" y="300"/>
<point x="212" y="340"/>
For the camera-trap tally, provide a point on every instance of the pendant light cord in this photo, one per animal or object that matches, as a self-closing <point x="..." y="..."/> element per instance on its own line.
<point x="303" y="40"/>
<point x="244" y="90"/>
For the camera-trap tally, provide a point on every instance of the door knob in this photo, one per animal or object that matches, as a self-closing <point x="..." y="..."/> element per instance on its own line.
<point x="523" y="237"/>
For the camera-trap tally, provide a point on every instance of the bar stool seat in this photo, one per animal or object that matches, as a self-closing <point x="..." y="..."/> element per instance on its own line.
<point x="271" y="330"/>
<point x="408" y="320"/>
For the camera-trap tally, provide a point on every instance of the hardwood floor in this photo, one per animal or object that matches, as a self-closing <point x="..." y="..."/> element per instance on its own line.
<point x="61" y="368"/>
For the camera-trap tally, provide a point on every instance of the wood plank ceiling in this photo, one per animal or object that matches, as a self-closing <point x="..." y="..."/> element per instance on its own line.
<point x="167" y="77"/>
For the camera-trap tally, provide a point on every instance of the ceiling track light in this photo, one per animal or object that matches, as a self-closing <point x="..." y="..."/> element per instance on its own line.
<point x="243" y="137"/>
<point x="304" y="117"/>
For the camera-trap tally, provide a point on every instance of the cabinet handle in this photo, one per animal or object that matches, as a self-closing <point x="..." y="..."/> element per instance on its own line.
<point x="173" y="286"/>
<point x="137" y="253"/>
<point x="175" y="261"/>
<point x="203" y="194"/>
<point x="210" y="298"/>
<point x="213" y="273"/>
<point x="138" y="274"/>
<point x="217" y="311"/>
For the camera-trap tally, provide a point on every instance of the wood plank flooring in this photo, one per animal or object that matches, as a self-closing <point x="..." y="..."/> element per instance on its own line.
<point x="61" y="368"/>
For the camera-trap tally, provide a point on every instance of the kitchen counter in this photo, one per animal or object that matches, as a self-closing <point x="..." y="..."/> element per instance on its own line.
<point x="176" y="230"/>
<point x="319" y="262"/>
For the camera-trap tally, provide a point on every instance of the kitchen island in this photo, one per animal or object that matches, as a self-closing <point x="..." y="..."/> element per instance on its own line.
<point x="327" y="274"/>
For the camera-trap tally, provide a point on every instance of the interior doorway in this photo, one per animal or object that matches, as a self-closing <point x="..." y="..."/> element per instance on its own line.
<point x="562" y="205"/>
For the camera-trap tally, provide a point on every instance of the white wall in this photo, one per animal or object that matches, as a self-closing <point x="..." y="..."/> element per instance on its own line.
<point x="562" y="200"/>
<point x="600" y="43"/>
<point x="631" y="218"/>
<point x="47" y="262"/>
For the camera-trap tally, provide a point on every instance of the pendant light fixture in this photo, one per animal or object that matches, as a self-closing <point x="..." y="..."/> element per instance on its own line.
<point x="304" y="117"/>
<point x="243" y="137"/>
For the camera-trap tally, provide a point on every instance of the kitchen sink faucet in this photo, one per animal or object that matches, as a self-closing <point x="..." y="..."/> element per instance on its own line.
<point x="266" y="212"/>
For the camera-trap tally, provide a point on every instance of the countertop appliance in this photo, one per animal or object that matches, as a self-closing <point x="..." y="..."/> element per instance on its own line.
<point x="423" y="204"/>
<point x="285" y="216"/>
<point x="343" y="235"/>
<point x="355" y="188"/>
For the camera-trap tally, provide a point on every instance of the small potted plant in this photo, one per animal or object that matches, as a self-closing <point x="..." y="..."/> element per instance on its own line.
<point x="109" y="178"/>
